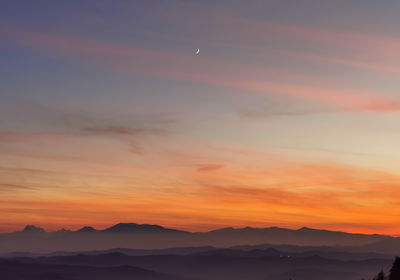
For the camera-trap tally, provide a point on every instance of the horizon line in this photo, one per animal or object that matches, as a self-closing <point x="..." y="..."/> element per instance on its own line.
<point x="206" y="231"/>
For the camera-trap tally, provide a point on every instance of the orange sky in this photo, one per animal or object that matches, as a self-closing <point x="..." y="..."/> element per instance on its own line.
<point x="197" y="192"/>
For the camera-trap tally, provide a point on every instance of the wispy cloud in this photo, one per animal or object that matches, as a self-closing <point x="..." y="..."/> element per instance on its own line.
<point x="284" y="109"/>
<point x="14" y="187"/>
<point x="119" y="130"/>
<point x="378" y="44"/>
<point x="209" y="167"/>
<point x="247" y="34"/>
<point x="173" y="66"/>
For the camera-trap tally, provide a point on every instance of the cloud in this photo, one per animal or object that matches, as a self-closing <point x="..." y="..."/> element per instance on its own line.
<point x="76" y="129"/>
<point x="16" y="137"/>
<point x="260" y="114"/>
<point x="209" y="167"/>
<point x="14" y="187"/>
<point x="329" y="37"/>
<point x="120" y="130"/>
<point x="246" y="36"/>
<point x="169" y="65"/>
<point x="274" y="108"/>
<point x="135" y="149"/>
<point x="134" y="135"/>
<point x="349" y="62"/>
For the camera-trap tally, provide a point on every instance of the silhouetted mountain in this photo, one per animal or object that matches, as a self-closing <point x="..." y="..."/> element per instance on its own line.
<point x="335" y="252"/>
<point x="20" y="255"/>
<point x="130" y="252"/>
<point x="136" y="228"/>
<point x="275" y="235"/>
<point x="391" y="246"/>
<point x="248" y="251"/>
<point x="63" y="230"/>
<point x="271" y="252"/>
<point x="12" y="270"/>
<point x="86" y="229"/>
<point x="33" y="229"/>
<point x="131" y="235"/>
<point x="224" y="267"/>
<point x="285" y="247"/>
<point x="241" y="253"/>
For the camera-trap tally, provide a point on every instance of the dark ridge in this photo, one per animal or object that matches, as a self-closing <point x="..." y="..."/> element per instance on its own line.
<point x="86" y="229"/>
<point x="33" y="229"/>
<point x="138" y="228"/>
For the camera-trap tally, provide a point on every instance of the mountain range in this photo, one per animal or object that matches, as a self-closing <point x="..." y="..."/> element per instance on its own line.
<point x="13" y="270"/>
<point x="145" y="236"/>
<point x="212" y="265"/>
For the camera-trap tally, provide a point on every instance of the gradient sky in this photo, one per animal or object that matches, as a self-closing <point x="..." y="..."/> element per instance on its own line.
<point x="289" y="116"/>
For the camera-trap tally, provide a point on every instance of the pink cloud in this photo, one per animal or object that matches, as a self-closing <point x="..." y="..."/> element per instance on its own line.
<point x="212" y="71"/>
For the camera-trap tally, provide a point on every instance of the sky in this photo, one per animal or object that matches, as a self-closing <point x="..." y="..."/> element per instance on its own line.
<point x="288" y="116"/>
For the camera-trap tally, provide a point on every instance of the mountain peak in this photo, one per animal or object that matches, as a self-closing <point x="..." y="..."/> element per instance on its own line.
<point x="32" y="228"/>
<point x="306" y="229"/>
<point x="63" y="230"/>
<point x="137" y="228"/>
<point x="86" y="229"/>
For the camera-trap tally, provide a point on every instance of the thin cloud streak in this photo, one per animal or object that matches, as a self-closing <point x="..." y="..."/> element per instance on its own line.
<point x="347" y="99"/>
<point x="119" y="130"/>
<point x="381" y="45"/>
<point x="343" y="99"/>
<point x="289" y="112"/>
<point x="359" y="42"/>
<point x="329" y="59"/>
<point x="14" y="187"/>
<point x="209" y="167"/>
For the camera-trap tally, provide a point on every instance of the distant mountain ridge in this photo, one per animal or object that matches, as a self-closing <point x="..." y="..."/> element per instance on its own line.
<point x="343" y="253"/>
<point x="152" y="228"/>
<point x="137" y="228"/>
<point x="12" y="270"/>
<point x="147" y="236"/>
<point x="230" y="265"/>
<point x="33" y="229"/>
<point x="118" y="228"/>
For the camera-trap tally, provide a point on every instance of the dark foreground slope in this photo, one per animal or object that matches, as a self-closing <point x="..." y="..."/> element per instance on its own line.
<point x="14" y="270"/>
<point x="224" y="267"/>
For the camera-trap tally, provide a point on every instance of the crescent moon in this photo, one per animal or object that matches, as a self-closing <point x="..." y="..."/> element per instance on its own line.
<point x="198" y="51"/>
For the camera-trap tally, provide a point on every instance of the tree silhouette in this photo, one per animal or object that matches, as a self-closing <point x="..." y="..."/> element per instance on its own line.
<point x="380" y="276"/>
<point x="395" y="270"/>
